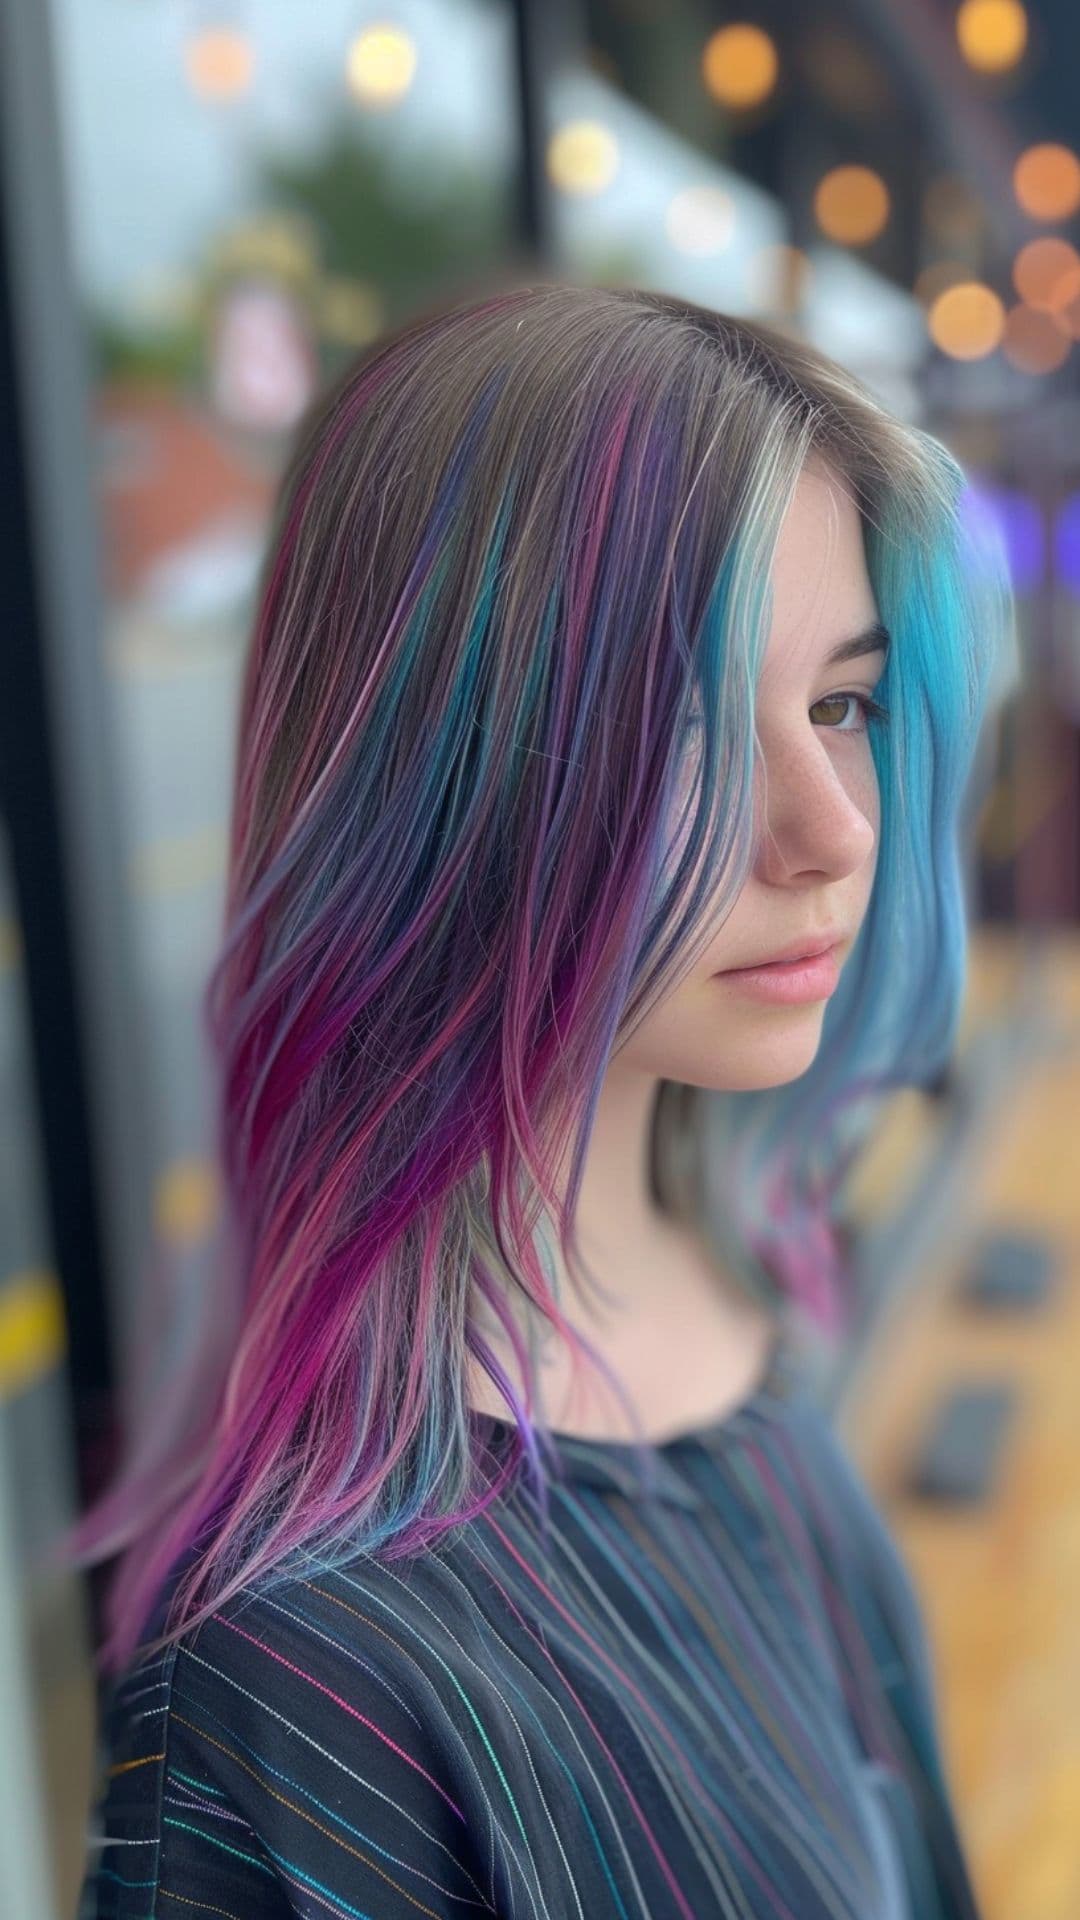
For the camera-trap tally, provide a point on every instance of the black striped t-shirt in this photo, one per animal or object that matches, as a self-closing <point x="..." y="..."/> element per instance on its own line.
<point x="712" y="1701"/>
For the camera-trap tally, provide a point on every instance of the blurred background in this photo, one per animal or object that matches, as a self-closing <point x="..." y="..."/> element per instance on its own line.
<point x="206" y="207"/>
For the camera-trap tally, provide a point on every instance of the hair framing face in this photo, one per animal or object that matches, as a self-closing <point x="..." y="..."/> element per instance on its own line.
<point x="520" y="549"/>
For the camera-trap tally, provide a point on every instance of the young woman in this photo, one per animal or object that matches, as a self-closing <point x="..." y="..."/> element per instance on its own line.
<point x="495" y="1558"/>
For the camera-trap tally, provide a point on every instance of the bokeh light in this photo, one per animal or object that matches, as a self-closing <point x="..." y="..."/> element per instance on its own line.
<point x="186" y="1202"/>
<point x="380" y="65"/>
<point x="851" y="205"/>
<point x="1046" y="181"/>
<point x="1032" y="341"/>
<point x="219" y="62"/>
<point x="992" y="34"/>
<point x="582" y="157"/>
<point x="700" y="220"/>
<point x="1067" y="543"/>
<point x="1046" y="273"/>
<point x="740" y="65"/>
<point x="1004" y="525"/>
<point x="967" y="320"/>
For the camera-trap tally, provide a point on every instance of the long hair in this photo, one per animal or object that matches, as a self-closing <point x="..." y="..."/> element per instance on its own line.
<point x="517" y="586"/>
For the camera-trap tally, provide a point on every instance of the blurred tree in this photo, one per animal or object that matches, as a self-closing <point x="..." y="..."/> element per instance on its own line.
<point x="359" y="233"/>
<point x="404" y="224"/>
<point x="132" y="351"/>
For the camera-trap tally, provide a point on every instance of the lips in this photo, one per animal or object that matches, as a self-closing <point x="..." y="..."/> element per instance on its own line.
<point x="806" y="949"/>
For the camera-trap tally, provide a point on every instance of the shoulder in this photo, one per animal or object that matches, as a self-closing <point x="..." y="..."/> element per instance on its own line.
<point x="125" y="1820"/>
<point x="855" y="1542"/>
<point x="851" y="1509"/>
<point x="362" y="1651"/>
<point x="288" y="1741"/>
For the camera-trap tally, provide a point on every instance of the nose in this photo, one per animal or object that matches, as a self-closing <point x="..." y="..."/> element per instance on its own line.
<point x="813" y="815"/>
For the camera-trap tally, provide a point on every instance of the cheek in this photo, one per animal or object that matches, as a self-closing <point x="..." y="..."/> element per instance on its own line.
<point x="871" y="796"/>
<point x="856" y="768"/>
<point x="867" y="797"/>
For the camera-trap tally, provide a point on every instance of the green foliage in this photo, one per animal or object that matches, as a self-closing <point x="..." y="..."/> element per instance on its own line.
<point x="127" y="351"/>
<point x="404" y="225"/>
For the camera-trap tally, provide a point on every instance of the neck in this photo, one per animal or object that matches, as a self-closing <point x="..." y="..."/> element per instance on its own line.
<point x="675" y="1329"/>
<point x="621" y="1228"/>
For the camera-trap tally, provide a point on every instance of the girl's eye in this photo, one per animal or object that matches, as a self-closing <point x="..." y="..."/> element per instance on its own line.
<point x="869" y="708"/>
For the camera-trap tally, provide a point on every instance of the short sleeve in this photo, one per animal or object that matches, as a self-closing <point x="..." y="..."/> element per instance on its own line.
<point x="287" y="1757"/>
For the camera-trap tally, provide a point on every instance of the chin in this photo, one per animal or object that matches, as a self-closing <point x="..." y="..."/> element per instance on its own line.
<point x="762" y="1059"/>
<point x="751" y="1082"/>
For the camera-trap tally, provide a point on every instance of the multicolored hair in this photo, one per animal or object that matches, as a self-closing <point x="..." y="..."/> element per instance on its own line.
<point x="518" y="582"/>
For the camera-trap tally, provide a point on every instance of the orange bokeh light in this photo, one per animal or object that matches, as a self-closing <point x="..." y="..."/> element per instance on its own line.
<point x="991" y="34"/>
<point x="851" y="205"/>
<point x="1046" y="181"/>
<point x="1046" y="273"/>
<point x="1032" y="341"/>
<point x="739" y="65"/>
<point x="967" y="320"/>
<point x="220" y="63"/>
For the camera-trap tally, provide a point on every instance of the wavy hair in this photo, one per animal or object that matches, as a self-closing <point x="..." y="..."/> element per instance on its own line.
<point x="517" y="583"/>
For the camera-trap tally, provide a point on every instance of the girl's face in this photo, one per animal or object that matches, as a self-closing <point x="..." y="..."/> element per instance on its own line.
<point x="818" y="805"/>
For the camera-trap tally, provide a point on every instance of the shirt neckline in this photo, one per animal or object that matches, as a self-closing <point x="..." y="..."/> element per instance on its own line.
<point x="617" y="1465"/>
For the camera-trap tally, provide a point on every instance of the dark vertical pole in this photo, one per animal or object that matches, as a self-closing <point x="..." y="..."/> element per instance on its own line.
<point x="28" y="799"/>
<point x="532" y="234"/>
<point x="547" y="34"/>
<point x="67" y="834"/>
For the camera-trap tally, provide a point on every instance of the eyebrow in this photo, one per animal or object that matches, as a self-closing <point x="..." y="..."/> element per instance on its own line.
<point x="875" y="639"/>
